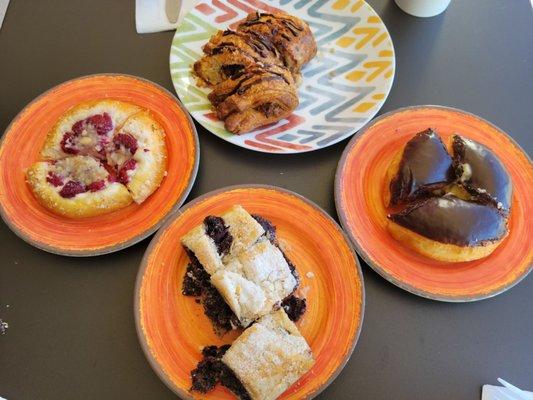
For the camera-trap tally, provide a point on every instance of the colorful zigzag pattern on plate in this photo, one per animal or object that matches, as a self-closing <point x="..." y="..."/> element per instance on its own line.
<point x="343" y="87"/>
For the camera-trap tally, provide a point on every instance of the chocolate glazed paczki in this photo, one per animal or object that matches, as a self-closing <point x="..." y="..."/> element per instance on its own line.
<point x="452" y="209"/>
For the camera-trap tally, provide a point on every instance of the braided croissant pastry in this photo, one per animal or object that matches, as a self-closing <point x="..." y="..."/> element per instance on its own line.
<point x="253" y="70"/>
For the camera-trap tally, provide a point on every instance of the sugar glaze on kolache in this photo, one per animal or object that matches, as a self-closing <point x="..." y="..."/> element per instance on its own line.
<point x="449" y="203"/>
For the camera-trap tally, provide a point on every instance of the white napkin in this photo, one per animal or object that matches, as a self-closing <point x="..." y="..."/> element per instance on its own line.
<point x="160" y="15"/>
<point x="3" y="9"/>
<point x="505" y="392"/>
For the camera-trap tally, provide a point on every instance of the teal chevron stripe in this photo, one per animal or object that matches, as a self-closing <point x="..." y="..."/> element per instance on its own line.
<point x="331" y="116"/>
<point x="348" y="22"/>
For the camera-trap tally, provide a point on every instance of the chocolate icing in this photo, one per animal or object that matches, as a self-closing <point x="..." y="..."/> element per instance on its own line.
<point x="451" y="220"/>
<point x="481" y="172"/>
<point x="425" y="166"/>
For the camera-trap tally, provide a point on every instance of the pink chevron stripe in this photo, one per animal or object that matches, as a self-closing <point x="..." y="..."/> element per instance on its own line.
<point x="294" y="120"/>
<point x="241" y="6"/>
<point x="262" y="146"/>
<point x="229" y="12"/>
<point x="263" y="6"/>
<point x="205" y="9"/>
<point x="212" y="116"/>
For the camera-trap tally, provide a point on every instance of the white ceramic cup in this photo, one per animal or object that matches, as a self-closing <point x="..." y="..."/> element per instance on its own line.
<point x="423" y="8"/>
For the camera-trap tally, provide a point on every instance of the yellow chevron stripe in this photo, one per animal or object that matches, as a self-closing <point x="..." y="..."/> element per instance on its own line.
<point x="357" y="5"/>
<point x="345" y="41"/>
<point x="340" y="4"/>
<point x="369" y="34"/>
<point x="386" y="53"/>
<point x="379" y="66"/>
<point x="379" y="39"/>
<point x="363" y="107"/>
<point x="354" y="76"/>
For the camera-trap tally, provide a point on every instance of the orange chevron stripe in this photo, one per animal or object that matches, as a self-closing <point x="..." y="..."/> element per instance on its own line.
<point x="264" y="6"/>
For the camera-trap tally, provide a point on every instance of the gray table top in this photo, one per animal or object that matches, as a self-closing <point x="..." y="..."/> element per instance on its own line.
<point x="72" y="334"/>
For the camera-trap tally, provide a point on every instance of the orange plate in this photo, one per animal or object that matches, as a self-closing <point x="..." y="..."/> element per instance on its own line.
<point x="25" y="136"/>
<point x="361" y="180"/>
<point x="173" y="329"/>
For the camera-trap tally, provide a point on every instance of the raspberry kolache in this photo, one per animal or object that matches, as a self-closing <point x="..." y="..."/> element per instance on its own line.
<point x="99" y="157"/>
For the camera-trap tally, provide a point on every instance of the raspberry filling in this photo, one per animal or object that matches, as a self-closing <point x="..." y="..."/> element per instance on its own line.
<point x="54" y="180"/>
<point x="71" y="189"/>
<point x="126" y="140"/>
<point x="96" y="186"/>
<point x="123" y="172"/>
<point x="99" y="125"/>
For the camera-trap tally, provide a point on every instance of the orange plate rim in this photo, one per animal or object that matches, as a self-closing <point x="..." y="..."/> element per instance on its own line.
<point x="170" y="220"/>
<point x="120" y="246"/>
<point x="359" y="248"/>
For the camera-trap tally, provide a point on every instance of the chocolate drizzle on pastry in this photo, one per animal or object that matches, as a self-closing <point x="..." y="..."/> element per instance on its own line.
<point x="425" y="166"/>
<point x="481" y="172"/>
<point x="451" y="220"/>
<point x="255" y="68"/>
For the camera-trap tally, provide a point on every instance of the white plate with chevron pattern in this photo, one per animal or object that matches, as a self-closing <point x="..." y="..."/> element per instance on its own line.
<point x="343" y="87"/>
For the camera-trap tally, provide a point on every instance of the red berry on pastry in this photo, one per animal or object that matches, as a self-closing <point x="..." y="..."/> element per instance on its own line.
<point x="96" y="186"/>
<point x="71" y="189"/>
<point x="68" y="143"/>
<point x="123" y="172"/>
<point x="126" y="140"/>
<point x="54" y="179"/>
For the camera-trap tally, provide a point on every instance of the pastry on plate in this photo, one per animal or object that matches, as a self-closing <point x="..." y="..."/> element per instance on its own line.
<point x="451" y="208"/>
<point x="291" y="36"/>
<point x="242" y="261"/>
<point x="238" y="270"/>
<point x="261" y="364"/>
<point x="481" y="173"/>
<point x="229" y="53"/>
<point x="256" y="97"/>
<point x="254" y="70"/>
<point x="78" y="186"/>
<point x="449" y="229"/>
<point x="86" y="129"/>
<point x="422" y="166"/>
<point x="138" y="153"/>
<point x="98" y="157"/>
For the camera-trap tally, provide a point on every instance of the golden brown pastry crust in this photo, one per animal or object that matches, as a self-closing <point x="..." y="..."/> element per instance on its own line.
<point x="289" y="34"/>
<point x="81" y="169"/>
<point x="269" y="356"/>
<point x="150" y="156"/>
<point x="440" y="251"/>
<point x="103" y="136"/>
<point x="255" y="69"/>
<point x="119" y="111"/>
<point x="258" y="97"/>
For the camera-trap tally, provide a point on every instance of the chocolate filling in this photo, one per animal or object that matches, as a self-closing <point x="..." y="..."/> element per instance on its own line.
<point x="211" y="370"/>
<point x="451" y="220"/>
<point x="294" y="307"/>
<point x="425" y="166"/>
<point x="216" y="230"/>
<point x="196" y="281"/>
